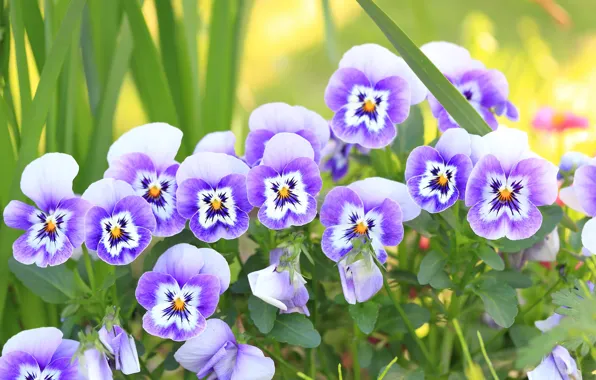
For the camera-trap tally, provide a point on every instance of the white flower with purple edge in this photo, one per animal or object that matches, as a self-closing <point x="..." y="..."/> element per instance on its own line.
<point x="270" y="119"/>
<point x="182" y="290"/>
<point x="56" y="227"/>
<point x="212" y="194"/>
<point x="373" y="208"/>
<point x="286" y="183"/>
<point x="217" y="355"/>
<point x="437" y="177"/>
<point x="371" y="92"/>
<point x="122" y="347"/>
<point x="486" y="90"/>
<point x="145" y="158"/>
<point x="39" y="354"/>
<point x="120" y="223"/>
<point x="506" y="186"/>
<point x="279" y="285"/>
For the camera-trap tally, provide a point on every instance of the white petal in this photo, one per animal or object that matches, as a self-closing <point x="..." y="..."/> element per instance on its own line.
<point x="48" y="179"/>
<point x="315" y="123"/>
<point x="106" y="192"/>
<point x="569" y="197"/>
<point x="450" y="59"/>
<point x="508" y="145"/>
<point x="478" y="148"/>
<point x="589" y="235"/>
<point x="285" y="147"/>
<point x="217" y="142"/>
<point x="210" y="167"/>
<point x="276" y="117"/>
<point x="373" y="191"/>
<point x="546" y="250"/>
<point x="454" y="141"/>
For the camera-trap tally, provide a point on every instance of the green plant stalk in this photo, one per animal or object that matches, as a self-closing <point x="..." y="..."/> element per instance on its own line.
<point x="354" y="348"/>
<point x="406" y="320"/>
<point x="486" y="358"/>
<point x="462" y="342"/>
<point x="387" y="368"/>
<point x="18" y="28"/>
<point x="446" y="350"/>
<point x="89" y="269"/>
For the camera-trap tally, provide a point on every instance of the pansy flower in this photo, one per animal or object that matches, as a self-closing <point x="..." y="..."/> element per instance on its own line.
<point x="55" y="227"/>
<point x="570" y="162"/>
<point x="182" y="290"/>
<point x="122" y="347"/>
<point x="486" y="90"/>
<point x="371" y="92"/>
<point x="217" y="142"/>
<point x="374" y="209"/>
<point x="559" y="364"/>
<point x="280" y="284"/>
<point x="286" y="183"/>
<point x="581" y="197"/>
<point x="270" y="119"/>
<point x="437" y="177"/>
<point x="336" y="157"/>
<point x="215" y="354"/>
<point x="212" y="194"/>
<point x="39" y="354"/>
<point x="144" y="157"/>
<point x="120" y="224"/>
<point x="506" y="186"/>
<point x="545" y="250"/>
<point x="550" y="120"/>
<point x="93" y="365"/>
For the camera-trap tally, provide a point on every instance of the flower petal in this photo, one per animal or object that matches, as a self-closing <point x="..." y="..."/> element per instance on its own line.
<point x="151" y="286"/>
<point x="13" y="364"/>
<point x="197" y="166"/>
<point x="589" y="235"/>
<point x="454" y="141"/>
<point x="335" y="244"/>
<point x="398" y="99"/>
<point x="276" y="117"/>
<point x="251" y="364"/>
<point x="339" y="204"/>
<point x="41" y="343"/>
<point x="340" y="86"/>
<point x="450" y="59"/>
<point x="549" y="323"/>
<point x="418" y="160"/>
<point x="139" y="209"/>
<point x="217" y="142"/>
<point x="542" y="180"/>
<point x="93" y="228"/>
<point x="584" y="184"/>
<point x="569" y="196"/>
<point x="19" y="215"/>
<point x="271" y="286"/>
<point x="254" y="146"/>
<point x="106" y="192"/>
<point x="285" y="147"/>
<point x="207" y="289"/>
<point x="256" y="182"/>
<point x="374" y="190"/>
<point x="508" y="145"/>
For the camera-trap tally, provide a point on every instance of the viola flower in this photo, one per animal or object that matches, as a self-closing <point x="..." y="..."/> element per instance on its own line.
<point x="549" y="120"/>
<point x="280" y="284"/>
<point x="570" y="162"/>
<point x="581" y="197"/>
<point x="182" y="291"/>
<point x="217" y="142"/>
<point x="93" y="365"/>
<point x="55" y="227"/>
<point x="122" y="347"/>
<point x="360" y="277"/>
<point x="371" y="92"/>
<point x="437" y="177"/>
<point x="216" y="354"/>
<point x="559" y="364"/>
<point x="120" y="224"/>
<point x="545" y="250"/>
<point x="286" y="183"/>
<point x="144" y="157"/>
<point x="486" y="90"/>
<point x="506" y="186"/>
<point x="270" y="119"/>
<point x="39" y="354"/>
<point x="336" y="157"/>
<point x="213" y="196"/>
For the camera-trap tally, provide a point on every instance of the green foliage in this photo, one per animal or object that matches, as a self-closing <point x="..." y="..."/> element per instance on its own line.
<point x="500" y="301"/>
<point x="53" y="284"/>
<point x="490" y="257"/>
<point x="295" y="329"/>
<point x="410" y="134"/>
<point x="262" y="314"/>
<point x="432" y="263"/>
<point x="365" y="315"/>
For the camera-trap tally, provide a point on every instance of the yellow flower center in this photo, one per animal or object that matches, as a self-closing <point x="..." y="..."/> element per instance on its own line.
<point x="116" y="232"/>
<point x="178" y="304"/>
<point x="442" y="180"/>
<point x="284" y="192"/>
<point x="216" y="204"/>
<point x="505" y="195"/>
<point x="361" y="228"/>
<point x="50" y="226"/>
<point x="369" y="106"/>
<point x="154" y="191"/>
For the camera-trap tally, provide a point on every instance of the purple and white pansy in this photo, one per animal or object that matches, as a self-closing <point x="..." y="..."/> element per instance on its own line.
<point x="55" y="228"/>
<point x="212" y="194"/>
<point x="280" y="284"/>
<point x="122" y="347"/>
<point x="371" y="92"/>
<point x="506" y="186"/>
<point x="215" y="354"/>
<point x="39" y="354"/>
<point x="374" y="209"/>
<point x="286" y="183"/>
<point x="486" y="90"/>
<point x="182" y="290"/>
<point x="437" y="177"/>
<point x="270" y="119"/>
<point x="120" y="224"/>
<point x="145" y="158"/>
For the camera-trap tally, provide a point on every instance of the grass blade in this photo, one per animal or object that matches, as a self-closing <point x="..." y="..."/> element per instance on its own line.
<point x="7" y="154"/>
<point x="35" y="31"/>
<point x="191" y="27"/>
<point x="453" y="101"/>
<point x="330" y="35"/>
<point x="18" y="28"/>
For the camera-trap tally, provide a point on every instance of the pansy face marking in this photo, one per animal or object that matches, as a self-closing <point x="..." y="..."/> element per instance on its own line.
<point x="119" y="232"/>
<point x="506" y="195"/>
<point x="177" y="306"/>
<point x="159" y="191"/>
<point x="216" y="205"/>
<point x="438" y="180"/>
<point x="285" y="192"/>
<point x="49" y="230"/>
<point x="367" y="105"/>
<point x="359" y="226"/>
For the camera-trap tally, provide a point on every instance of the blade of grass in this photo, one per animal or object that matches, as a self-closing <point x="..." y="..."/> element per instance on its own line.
<point x="91" y="61"/>
<point x="70" y="90"/>
<point x="7" y="155"/>
<point x="330" y="35"/>
<point x="35" y="31"/>
<point x="18" y="28"/>
<point x="33" y="122"/>
<point x="49" y="31"/>
<point x="191" y="28"/>
<point x="453" y="101"/>
<point x="7" y="103"/>
<point x="147" y="69"/>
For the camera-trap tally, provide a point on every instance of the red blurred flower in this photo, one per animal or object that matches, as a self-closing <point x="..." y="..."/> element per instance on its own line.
<point x="424" y="243"/>
<point x="548" y="119"/>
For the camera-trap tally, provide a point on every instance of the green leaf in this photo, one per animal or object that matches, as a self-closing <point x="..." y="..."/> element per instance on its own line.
<point x="35" y="31"/>
<point x="500" y="301"/>
<point x="514" y="279"/>
<point x="53" y="284"/>
<point x="295" y="329"/>
<point x="431" y="264"/>
<point x="365" y="315"/>
<point x="365" y="353"/>
<point x="490" y="257"/>
<point x="441" y="280"/>
<point x="410" y="133"/>
<point x="392" y="323"/>
<point x="522" y="334"/>
<point x="262" y="314"/>
<point x="567" y="222"/>
<point x="551" y="216"/>
<point x="423" y="224"/>
<point x="458" y="107"/>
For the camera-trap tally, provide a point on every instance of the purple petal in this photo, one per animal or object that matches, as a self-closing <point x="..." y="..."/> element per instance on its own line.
<point x="285" y="147"/>
<point x="217" y="142"/>
<point x="149" y="288"/>
<point x="335" y="244"/>
<point x="40" y="343"/>
<point x="309" y="173"/>
<point x="311" y="137"/>
<point x="434" y="201"/>
<point x="374" y="190"/>
<point x="219" y="230"/>
<point x="545" y="370"/>
<point x="315" y="123"/>
<point x="29" y="249"/>
<point x="237" y="183"/>
<point x="541" y="177"/>
<point x="487" y="228"/>
<point x="75" y="226"/>
<point x="491" y="85"/>
<point x="479" y="178"/>
<point x="48" y="179"/>
<point x="464" y="167"/>
<point x="278" y="220"/>
<point x="206" y="286"/>
<point x="272" y="286"/>
<point x="508" y="145"/>
<point x="160" y="141"/>
<point x="446" y="122"/>
<point x="252" y="364"/>
<point x="256" y="184"/>
<point x="66" y="349"/>
<point x="187" y="196"/>
<point x="340" y="87"/>
<point x="454" y="141"/>
<point x="388" y="227"/>
<point x="128" y="166"/>
<point x="156" y="326"/>
<point x="215" y="264"/>
<point x="489" y="117"/>
<point x="65" y="367"/>
<point x="361" y="280"/>
<point x="361" y="134"/>
<point x="450" y="59"/>
<point x="589" y="235"/>
<point x="19" y="215"/>
<point x="565" y="363"/>
<point x="255" y="145"/>
<point x="95" y="366"/>
<point x="127" y="253"/>
<point x="339" y="204"/>
<point x="276" y="117"/>
<point x="419" y="159"/>
<point x="106" y="192"/>
<point x="584" y="184"/>
<point x="181" y="261"/>
<point x="93" y="226"/>
<point x="347" y="283"/>
<point x="549" y="323"/>
<point x="140" y="211"/>
<point x="197" y="166"/>
<point x="14" y="364"/>
<point x="398" y="100"/>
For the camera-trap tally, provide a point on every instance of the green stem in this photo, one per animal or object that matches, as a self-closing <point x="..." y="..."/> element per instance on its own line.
<point x="406" y="320"/>
<point x="89" y="268"/>
<point x="486" y="358"/>
<point x="462" y="342"/>
<point x="279" y="359"/>
<point x="354" y="347"/>
<point x="446" y="350"/>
